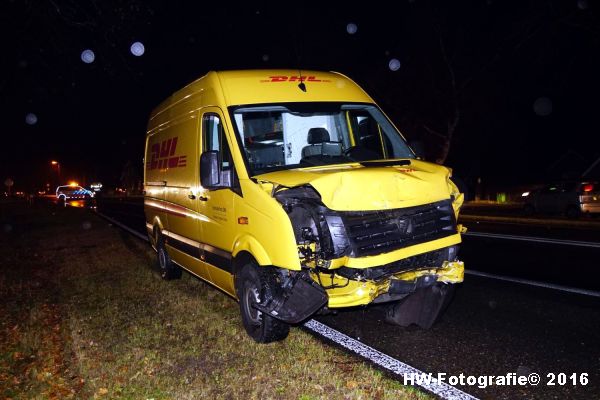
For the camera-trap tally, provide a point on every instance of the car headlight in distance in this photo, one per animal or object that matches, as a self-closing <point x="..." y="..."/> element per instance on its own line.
<point x="525" y="194"/>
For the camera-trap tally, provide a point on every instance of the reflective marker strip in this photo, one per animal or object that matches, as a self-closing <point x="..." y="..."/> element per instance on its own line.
<point x="533" y="239"/>
<point x="546" y="285"/>
<point x="397" y="367"/>
<point x="183" y="239"/>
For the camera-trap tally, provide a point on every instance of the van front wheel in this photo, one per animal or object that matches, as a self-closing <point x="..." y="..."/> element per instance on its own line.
<point x="257" y="285"/>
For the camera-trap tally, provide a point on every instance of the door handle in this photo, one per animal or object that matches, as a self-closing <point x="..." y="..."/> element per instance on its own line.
<point x="202" y="198"/>
<point x="192" y="196"/>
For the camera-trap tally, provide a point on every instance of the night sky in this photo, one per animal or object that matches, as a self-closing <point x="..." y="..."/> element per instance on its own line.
<point x="518" y="80"/>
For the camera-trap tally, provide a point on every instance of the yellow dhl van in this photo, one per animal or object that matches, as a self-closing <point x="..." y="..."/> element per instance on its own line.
<point x="294" y="193"/>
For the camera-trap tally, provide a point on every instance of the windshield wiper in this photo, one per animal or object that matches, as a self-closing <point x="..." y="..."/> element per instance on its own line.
<point x="384" y="163"/>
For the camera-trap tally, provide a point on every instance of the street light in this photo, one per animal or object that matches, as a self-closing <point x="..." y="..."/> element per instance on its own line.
<point x="57" y="169"/>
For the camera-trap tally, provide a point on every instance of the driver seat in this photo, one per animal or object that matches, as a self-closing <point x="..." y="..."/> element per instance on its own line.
<point x="319" y="144"/>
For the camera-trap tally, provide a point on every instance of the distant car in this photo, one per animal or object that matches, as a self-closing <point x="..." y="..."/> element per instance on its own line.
<point x="569" y="198"/>
<point x="68" y="192"/>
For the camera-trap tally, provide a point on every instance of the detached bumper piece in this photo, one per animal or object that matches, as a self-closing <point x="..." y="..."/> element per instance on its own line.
<point x="422" y="308"/>
<point x="297" y="301"/>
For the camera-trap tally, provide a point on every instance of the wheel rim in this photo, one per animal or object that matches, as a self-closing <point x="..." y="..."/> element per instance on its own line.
<point x="162" y="260"/>
<point x="251" y="296"/>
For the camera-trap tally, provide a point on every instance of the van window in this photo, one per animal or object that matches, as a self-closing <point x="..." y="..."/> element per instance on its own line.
<point x="293" y="135"/>
<point x="214" y="139"/>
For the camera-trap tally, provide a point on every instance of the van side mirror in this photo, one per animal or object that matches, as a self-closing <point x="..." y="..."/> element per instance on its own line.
<point x="209" y="169"/>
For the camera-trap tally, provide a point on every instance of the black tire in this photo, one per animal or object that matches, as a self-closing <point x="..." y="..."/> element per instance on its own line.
<point x="167" y="268"/>
<point x="153" y="238"/>
<point x="258" y="284"/>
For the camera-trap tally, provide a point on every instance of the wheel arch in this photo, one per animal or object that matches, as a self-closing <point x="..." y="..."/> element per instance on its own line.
<point x="248" y="244"/>
<point x="157" y="228"/>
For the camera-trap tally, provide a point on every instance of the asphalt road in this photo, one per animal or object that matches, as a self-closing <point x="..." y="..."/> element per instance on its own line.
<point x="492" y="327"/>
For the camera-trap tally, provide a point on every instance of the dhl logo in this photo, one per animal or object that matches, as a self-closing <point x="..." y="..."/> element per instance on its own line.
<point x="163" y="155"/>
<point x="283" y="78"/>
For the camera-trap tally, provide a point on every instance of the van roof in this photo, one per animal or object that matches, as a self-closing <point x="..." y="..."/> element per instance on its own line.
<point x="227" y="88"/>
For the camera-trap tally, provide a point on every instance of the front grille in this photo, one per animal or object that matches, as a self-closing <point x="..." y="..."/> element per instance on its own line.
<point x="375" y="232"/>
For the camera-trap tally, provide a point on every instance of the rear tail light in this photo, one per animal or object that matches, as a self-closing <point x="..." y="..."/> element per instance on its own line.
<point x="588" y="187"/>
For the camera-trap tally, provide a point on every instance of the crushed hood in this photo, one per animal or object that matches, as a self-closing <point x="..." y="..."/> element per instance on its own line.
<point x="354" y="187"/>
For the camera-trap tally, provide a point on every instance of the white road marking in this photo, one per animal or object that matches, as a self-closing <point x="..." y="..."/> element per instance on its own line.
<point x="546" y="285"/>
<point x="533" y="239"/>
<point x="391" y="364"/>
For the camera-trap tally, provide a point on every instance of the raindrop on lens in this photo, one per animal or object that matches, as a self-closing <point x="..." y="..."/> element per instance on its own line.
<point x="137" y="49"/>
<point x="351" y="28"/>
<point x="542" y="106"/>
<point x="6" y="228"/>
<point x="394" y="64"/>
<point x="86" y="225"/>
<point x="265" y="57"/>
<point x="31" y="119"/>
<point x="582" y="4"/>
<point x="88" y="56"/>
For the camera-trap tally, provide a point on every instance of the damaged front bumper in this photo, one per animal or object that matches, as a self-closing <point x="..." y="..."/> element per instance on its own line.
<point x="344" y="292"/>
<point x="298" y="299"/>
<point x="305" y="293"/>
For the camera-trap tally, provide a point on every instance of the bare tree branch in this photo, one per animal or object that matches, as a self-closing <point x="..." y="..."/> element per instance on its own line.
<point x="434" y="132"/>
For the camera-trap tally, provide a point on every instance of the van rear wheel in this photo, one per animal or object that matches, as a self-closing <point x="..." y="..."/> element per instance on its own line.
<point x="168" y="269"/>
<point x="256" y="284"/>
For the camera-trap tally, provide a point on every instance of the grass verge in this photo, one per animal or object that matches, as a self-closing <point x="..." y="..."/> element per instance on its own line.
<point x="85" y="315"/>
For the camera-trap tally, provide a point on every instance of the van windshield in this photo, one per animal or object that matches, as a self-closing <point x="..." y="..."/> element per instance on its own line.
<point x="296" y="135"/>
